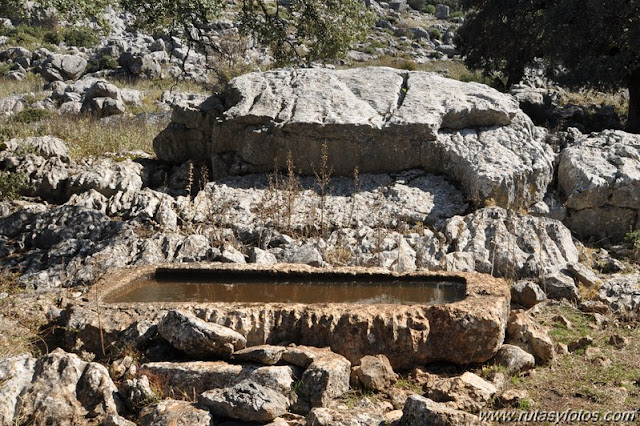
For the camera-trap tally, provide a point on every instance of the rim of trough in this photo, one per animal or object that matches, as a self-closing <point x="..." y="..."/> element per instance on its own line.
<point x="478" y="287"/>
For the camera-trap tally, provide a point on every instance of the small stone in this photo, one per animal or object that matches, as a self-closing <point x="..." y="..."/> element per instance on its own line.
<point x="170" y="412"/>
<point x="618" y="341"/>
<point x="602" y="361"/>
<point x="594" y="306"/>
<point x="561" y="349"/>
<point x="514" y="359"/>
<point x="558" y="285"/>
<point x="591" y="352"/>
<point x="512" y="397"/>
<point x="583" y="274"/>
<point x="231" y="255"/>
<point x="423" y="411"/>
<point x="467" y="392"/>
<point x="261" y="257"/>
<point x="527" y="293"/>
<point x="560" y="319"/>
<point x="263" y="354"/>
<point x="580" y="344"/>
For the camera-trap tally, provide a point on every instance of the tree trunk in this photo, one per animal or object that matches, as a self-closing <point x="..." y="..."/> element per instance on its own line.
<point x="633" y="121"/>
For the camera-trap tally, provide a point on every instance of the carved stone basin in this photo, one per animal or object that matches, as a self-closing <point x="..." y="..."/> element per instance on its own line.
<point x="413" y="318"/>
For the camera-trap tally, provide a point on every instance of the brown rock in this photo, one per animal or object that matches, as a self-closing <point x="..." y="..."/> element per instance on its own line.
<point x="512" y="397"/>
<point x="618" y="341"/>
<point x="580" y="344"/>
<point x="375" y="373"/>
<point x="423" y="411"/>
<point x="523" y="331"/>
<point x="262" y="354"/>
<point x="514" y="359"/>
<point x="467" y="392"/>
<point x="594" y="306"/>
<point x="169" y="412"/>
<point x="326" y="378"/>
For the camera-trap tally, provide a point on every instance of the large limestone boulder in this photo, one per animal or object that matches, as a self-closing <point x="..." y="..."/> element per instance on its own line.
<point x="506" y="243"/>
<point x="600" y="178"/>
<point x="376" y="119"/>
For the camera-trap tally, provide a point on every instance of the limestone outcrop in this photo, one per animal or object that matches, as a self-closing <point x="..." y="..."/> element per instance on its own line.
<point x="600" y="178"/>
<point x="375" y="119"/>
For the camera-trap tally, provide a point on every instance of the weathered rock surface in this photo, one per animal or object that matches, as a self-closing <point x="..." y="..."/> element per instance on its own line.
<point x="527" y="293"/>
<point x="471" y="330"/>
<point x="600" y="177"/>
<point x="621" y="292"/>
<point x="326" y="378"/>
<point x="467" y="131"/>
<point x="524" y="332"/>
<point x="44" y="146"/>
<point x="343" y="416"/>
<point x="512" y="245"/>
<point x="63" y="67"/>
<point x="419" y="410"/>
<point x="247" y="401"/>
<point x="467" y="392"/>
<point x="63" y="390"/>
<point x="198" y="338"/>
<point x="16" y="374"/>
<point x="375" y="372"/>
<point x="170" y="412"/>
<point x="514" y="359"/>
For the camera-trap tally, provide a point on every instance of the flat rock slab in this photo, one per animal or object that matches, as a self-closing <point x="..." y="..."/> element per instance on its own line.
<point x="199" y="338"/>
<point x="246" y="401"/>
<point x="600" y="177"/>
<point x="375" y="119"/>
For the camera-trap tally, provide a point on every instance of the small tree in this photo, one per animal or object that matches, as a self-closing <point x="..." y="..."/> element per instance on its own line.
<point x="584" y="43"/>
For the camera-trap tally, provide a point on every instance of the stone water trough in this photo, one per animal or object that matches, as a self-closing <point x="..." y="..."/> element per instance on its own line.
<point x="469" y="327"/>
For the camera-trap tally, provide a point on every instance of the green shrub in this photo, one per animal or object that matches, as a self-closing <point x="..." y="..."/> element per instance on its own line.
<point x="12" y="185"/>
<point x="456" y="14"/>
<point x="102" y="63"/>
<point x="53" y="36"/>
<point x="431" y="9"/>
<point x="633" y="240"/>
<point x="4" y="69"/>
<point x="81" y="37"/>
<point x="31" y="115"/>
<point x="434" y="33"/>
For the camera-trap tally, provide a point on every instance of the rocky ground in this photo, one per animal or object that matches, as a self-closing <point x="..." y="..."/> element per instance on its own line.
<point x="552" y="212"/>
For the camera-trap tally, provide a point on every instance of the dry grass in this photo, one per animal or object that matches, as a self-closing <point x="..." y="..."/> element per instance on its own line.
<point x="577" y="381"/>
<point x="32" y="84"/>
<point x="586" y="98"/>
<point x="87" y="136"/>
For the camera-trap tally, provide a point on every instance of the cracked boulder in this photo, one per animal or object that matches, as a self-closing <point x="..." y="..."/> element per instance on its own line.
<point x="375" y="119"/>
<point x="600" y="178"/>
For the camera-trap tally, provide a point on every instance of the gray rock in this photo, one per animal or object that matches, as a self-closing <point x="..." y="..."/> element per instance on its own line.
<point x="44" y="146"/>
<point x="170" y="412"/>
<point x="232" y="255"/>
<point x="326" y="378"/>
<point x="621" y="292"/>
<point x="198" y="338"/>
<point x="306" y="254"/>
<point x="508" y="244"/>
<point x="137" y="393"/>
<point x="107" y="177"/>
<point x="12" y="104"/>
<point x="514" y="359"/>
<point x="375" y="373"/>
<point x="353" y="416"/>
<point x="419" y="410"/>
<point x="600" y="175"/>
<point x="65" y="389"/>
<point x="527" y="293"/>
<point x="263" y="354"/>
<point x="583" y="274"/>
<point x="460" y="262"/>
<point x="140" y="65"/>
<point x="558" y="285"/>
<point x="463" y="137"/>
<point x="442" y="11"/>
<point x="246" y="401"/>
<point x="261" y="257"/>
<point x="63" y="67"/>
<point x="16" y="374"/>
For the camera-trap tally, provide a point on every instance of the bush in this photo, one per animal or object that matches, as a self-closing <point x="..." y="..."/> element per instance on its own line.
<point x="417" y="4"/>
<point x="102" y="63"/>
<point x="434" y="33"/>
<point x="431" y="9"/>
<point x="4" y="69"/>
<point x="12" y="185"/>
<point x="31" y="115"/>
<point x="80" y="37"/>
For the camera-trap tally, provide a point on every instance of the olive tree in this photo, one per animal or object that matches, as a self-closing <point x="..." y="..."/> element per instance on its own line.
<point x="584" y="43"/>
